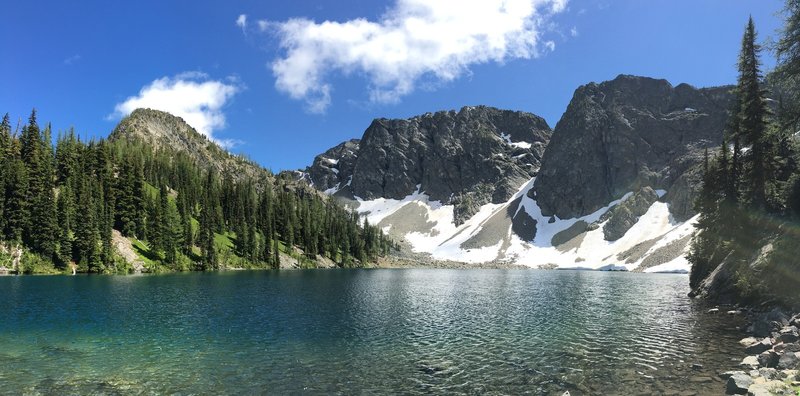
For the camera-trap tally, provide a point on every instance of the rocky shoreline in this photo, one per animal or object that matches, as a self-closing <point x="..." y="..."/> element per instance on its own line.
<point x="773" y="356"/>
<point x="422" y="262"/>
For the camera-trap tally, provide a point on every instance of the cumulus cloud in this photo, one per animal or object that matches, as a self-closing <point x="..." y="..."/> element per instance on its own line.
<point x="414" y="39"/>
<point x="241" y="22"/>
<point x="191" y="96"/>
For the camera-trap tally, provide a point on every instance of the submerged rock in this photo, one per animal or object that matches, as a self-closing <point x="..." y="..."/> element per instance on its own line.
<point x="728" y="374"/>
<point x="746" y="342"/>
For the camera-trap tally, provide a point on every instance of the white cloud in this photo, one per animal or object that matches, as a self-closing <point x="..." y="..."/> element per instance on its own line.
<point x="241" y="22"/>
<point x="414" y="39"/>
<point x="72" y="59"/>
<point x="573" y="32"/>
<point x="191" y="96"/>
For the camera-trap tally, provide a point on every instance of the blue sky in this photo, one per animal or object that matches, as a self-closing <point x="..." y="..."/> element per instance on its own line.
<point x="281" y="86"/>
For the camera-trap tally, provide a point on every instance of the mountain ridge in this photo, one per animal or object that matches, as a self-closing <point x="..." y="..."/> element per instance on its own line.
<point x="646" y="136"/>
<point x="469" y="157"/>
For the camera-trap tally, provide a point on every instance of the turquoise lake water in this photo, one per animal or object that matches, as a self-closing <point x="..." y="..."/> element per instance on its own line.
<point x="361" y="332"/>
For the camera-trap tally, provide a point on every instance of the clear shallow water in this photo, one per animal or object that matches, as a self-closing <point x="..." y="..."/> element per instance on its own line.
<point x="360" y="332"/>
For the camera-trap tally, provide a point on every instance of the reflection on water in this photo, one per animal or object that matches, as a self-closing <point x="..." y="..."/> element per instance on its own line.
<point x="360" y="331"/>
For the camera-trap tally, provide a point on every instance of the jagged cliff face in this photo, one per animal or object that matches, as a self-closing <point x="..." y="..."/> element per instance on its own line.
<point x="164" y="131"/>
<point x="624" y="134"/>
<point x="334" y="166"/>
<point x="612" y="188"/>
<point x="468" y="158"/>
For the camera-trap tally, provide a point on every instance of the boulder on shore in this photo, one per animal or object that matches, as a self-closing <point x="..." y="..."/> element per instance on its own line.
<point x="789" y="334"/>
<point x="769" y="388"/>
<point x="761" y="346"/>
<point x="750" y="363"/>
<point x="789" y="361"/>
<point x="738" y="383"/>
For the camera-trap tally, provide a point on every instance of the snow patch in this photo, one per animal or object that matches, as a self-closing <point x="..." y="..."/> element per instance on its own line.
<point x="332" y="190"/>
<point x="378" y="209"/>
<point x="507" y="139"/>
<point x="679" y="265"/>
<point x="444" y="240"/>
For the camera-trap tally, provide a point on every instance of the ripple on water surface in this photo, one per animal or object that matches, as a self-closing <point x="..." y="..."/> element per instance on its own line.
<point x="360" y="331"/>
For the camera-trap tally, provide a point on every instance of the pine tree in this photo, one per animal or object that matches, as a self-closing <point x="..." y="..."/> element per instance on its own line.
<point x="173" y="231"/>
<point x="5" y="146"/>
<point x="16" y="205"/>
<point x="156" y="227"/>
<point x="276" y="261"/>
<point x="86" y="235"/>
<point x="788" y="46"/>
<point x="137" y="199"/>
<point x="36" y="153"/>
<point x="786" y="77"/>
<point x="66" y="219"/>
<point x="5" y="135"/>
<point x="187" y="238"/>
<point x="706" y="238"/>
<point x="208" y="223"/>
<point x="753" y="114"/>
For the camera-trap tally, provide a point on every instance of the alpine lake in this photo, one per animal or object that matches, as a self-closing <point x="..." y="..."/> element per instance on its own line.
<point x="382" y="331"/>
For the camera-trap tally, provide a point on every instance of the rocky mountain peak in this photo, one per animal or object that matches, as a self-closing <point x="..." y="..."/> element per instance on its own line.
<point x="468" y="158"/>
<point x="164" y="131"/>
<point x="621" y="135"/>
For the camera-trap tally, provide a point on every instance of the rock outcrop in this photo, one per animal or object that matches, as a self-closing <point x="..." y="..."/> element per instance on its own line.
<point x="623" y="216"/>
<point x="467" y="158"/>
<point x="334" y="168"/>
<point x="624" y="134"/>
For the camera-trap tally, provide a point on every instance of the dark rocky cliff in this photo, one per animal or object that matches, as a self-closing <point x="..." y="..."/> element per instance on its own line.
<point x="468" y="158"/>
<point x="621" y="135"/>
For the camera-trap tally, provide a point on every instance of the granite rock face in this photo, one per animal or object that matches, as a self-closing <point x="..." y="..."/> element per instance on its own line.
<point x="467" y="158"/>
<point x="621" y="135"/>
<point x="334" y="168"/>
<point x="623" y="216"/>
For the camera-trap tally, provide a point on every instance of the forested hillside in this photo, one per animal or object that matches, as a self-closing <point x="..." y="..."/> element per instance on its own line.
<point x="60" y="207"/>
<point x="747" y="245"/>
